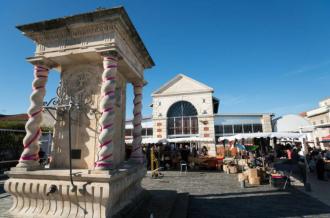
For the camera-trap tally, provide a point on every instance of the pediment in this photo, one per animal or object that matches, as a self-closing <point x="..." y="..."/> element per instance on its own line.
<point x="182" y="84"/>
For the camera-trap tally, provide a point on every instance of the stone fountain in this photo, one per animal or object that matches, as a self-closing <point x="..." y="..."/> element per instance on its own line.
<point x="97" y="54"/>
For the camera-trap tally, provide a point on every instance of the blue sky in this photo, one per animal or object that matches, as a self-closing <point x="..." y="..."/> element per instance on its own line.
<point x="259" y="56"/>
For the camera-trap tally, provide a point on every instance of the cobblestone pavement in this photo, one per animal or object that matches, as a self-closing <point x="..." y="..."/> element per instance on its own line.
<point x="320" y="189"/>
<point x="214" y="194"/>
<point x="5" y="201"/>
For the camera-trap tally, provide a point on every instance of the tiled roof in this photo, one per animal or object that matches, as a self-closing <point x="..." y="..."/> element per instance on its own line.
<point x="14" y="117"/>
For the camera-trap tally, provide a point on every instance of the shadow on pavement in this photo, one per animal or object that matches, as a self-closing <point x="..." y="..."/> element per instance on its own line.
<point x="2" y="190"/>
<point x="271" y="204"/>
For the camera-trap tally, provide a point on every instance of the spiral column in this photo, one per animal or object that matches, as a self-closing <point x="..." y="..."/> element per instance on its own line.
<point x="107" y="106"/>
<point x="29" y="157"/>
<point x="137" y="127"/>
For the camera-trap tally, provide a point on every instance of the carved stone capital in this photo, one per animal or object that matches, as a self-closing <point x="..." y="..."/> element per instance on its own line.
<point x="110" y="52"/>
<point x="141" y="83"/>
<point x="42" y="61"/>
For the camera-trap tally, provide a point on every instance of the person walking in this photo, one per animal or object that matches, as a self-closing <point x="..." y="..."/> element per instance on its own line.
<point x="320" y="167"/>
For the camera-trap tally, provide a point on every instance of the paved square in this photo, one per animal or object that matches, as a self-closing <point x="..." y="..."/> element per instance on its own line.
<point x="214" y="194"/>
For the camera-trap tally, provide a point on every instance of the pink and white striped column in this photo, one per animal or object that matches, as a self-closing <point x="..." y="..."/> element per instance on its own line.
<point x="137" y="127"/>
<point x="30" y="157"/>
<point x="107" y="106"/>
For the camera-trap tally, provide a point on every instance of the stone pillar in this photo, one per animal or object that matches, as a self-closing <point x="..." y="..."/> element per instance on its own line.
<point x="30" y="158"/>
<point x="137" y="127"/>
<point x="107" y="108"/>
<point x="266" y="123"/>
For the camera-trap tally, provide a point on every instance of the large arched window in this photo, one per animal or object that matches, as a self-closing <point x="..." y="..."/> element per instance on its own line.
<point x="182" y="119"/>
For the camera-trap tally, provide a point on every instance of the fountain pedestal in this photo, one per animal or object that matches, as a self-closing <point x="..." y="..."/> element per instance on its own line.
<point x="97" y="193"/>
<point x="97" y="55"/>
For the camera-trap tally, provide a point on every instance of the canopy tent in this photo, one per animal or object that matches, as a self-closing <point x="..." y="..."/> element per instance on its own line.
<point x="264" y="135"/>
<point x="325" y="139"/>
<point x="190" y="139"/>
<point x="173" y="140"/>
<point x="147" y="141"/>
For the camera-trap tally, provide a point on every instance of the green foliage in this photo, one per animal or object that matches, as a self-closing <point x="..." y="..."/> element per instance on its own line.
<point x="18" y="125"/>
<point x="11" y="145"/>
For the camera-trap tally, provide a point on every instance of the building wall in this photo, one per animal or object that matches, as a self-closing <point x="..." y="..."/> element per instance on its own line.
<point x="231" y="124"/>
<point x="320" y="116"/>
<point x="159" y="126"/>
<point x="320" y="132"/>
<point x="266" y="121"/>
<point x="183" y="88"/>
<point x="201" y="101"/>
<point x="320" y="119"/>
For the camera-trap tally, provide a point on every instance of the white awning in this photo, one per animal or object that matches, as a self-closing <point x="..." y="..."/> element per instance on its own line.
<point x="190" y="139"/>
<point x="173" y="140"/>
<point x="147" y="141"/>
<point x="264" y="135"/>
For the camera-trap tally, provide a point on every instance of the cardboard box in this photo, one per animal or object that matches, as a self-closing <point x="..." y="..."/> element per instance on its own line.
<point x="254" y="180"/>
<point x="242" y="177"/>
<point x="232" y="169"/>
<point x="253" y="173"/>
<point x="242" y="162"/>
<point x="225" y="168"/>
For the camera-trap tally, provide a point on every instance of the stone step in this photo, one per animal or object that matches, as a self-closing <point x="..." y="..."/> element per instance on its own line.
<point x="159" y="205"/>
<point x="135" y="207"/>
<point x="180" y="207"/>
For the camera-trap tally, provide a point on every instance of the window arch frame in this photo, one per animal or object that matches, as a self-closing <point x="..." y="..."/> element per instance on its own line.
<point x="182" y="119"/>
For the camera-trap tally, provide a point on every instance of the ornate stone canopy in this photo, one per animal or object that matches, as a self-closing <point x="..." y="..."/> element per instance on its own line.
<point x="97" y="54"/>
<point x="82" y="37"/>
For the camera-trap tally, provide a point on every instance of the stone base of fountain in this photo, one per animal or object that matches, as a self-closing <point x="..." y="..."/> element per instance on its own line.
<point x="97" y="193"/>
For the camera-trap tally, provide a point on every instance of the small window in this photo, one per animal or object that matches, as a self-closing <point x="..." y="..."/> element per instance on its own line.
<point x="322" y="121"/>
<point x="247" y="128"/>
<point x="194" y="125"/>
<point x="257" y="128"/>
<point x="149" y="131"/>
<point x="128" y="132"/>
<point x="228" y="129"/>
<point x="204" y="100"/>
<point x="178" y="125"/>
<point x="238" y="129"/>
<point x="144" y="132"/>
<point x="218" y="129"/>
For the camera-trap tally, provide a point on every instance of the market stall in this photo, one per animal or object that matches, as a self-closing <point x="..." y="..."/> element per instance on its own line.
<point x="285" y="135"/>
<point x="255" y="152"/>
<point x="198" y="157"/>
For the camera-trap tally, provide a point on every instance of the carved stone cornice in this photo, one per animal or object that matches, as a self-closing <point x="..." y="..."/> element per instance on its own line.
<point x="42" y="61"/>
<point x="88" y="30"/>
<point x="71" y="33"/>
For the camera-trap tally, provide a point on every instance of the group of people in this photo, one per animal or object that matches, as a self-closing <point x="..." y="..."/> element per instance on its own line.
<point x="317" y="161"/>
<point x="316" y="158"/>
<point x="169" y="156"/>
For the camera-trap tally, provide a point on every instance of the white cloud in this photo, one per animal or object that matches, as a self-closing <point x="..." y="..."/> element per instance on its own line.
<point x="307" y="68"/>
<point x="232" y="100"/>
